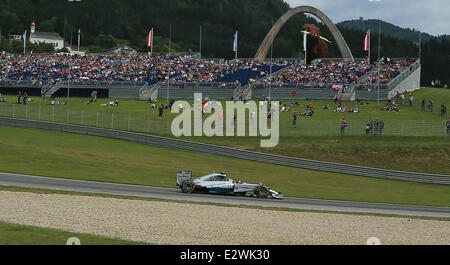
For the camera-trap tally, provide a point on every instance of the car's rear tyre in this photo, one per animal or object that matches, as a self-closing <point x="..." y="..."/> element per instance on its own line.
<point x="188" y="186"/>
<point x="262" y="192"/>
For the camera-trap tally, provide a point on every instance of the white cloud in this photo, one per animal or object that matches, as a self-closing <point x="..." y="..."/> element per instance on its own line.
<point x="429" y="16"/>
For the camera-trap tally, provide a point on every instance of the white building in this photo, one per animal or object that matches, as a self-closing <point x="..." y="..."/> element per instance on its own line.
<point x="37" y="37"/>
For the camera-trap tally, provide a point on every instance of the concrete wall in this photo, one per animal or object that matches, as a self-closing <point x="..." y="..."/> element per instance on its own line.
<point x="411" y="83"/>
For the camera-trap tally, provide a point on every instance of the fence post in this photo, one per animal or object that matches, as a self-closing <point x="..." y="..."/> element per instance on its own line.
<point x="96" y="123"/>
<point x="112" y="121"/>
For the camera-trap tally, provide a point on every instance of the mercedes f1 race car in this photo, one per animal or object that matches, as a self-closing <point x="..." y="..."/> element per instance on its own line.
<point x="218" y="183"/>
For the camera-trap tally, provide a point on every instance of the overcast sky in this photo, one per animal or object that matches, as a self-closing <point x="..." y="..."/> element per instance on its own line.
<point x="430" y="16"/>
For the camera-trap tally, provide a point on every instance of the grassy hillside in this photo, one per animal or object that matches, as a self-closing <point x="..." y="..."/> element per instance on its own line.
<point x="91" y="158"/>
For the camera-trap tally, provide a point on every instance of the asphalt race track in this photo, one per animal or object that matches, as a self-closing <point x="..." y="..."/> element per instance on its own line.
<point x="24" y="181"/>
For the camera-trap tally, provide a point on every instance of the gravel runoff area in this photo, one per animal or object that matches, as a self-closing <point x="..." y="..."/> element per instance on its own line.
<point x="177" y="223"/>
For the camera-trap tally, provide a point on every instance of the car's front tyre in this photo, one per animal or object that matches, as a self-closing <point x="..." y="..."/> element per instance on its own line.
<point x="262" y="192"/>
<point x="188" y="186"/>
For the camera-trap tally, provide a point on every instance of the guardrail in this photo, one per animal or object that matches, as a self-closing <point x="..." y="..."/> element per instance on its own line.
<point x="231" y="152"/>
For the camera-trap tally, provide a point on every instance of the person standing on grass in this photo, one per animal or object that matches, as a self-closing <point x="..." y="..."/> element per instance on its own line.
<point x="443" y="110"/>
<point x="423" y="105"/>
<point x="294" y="119"/>
<point x="376" y="126"/>
<point x="411" y="100"/>
<point x="431" y="105"/>
<point x="448" y="127"/>
<point x="25" y="97"/>
<point x="381" y="127"/>
<point x="19" y="97"/>
<point x="369" y="127"/>
<point x="344" y="124"/>
<point x="161" y="111"/>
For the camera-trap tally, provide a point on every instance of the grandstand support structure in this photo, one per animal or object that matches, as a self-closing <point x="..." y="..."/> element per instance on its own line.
<point x="53" y="89"/>
<point x="237" y="92"/>
<point x="342" y="44"/>
<point x="46" y="88"/>
<point x="407" y="81"/>
<point x="248" y="89"/>
<point x="149" y="92"/>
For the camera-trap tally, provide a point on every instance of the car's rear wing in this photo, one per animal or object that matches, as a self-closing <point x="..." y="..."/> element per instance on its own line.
<point x="183" y="176"/>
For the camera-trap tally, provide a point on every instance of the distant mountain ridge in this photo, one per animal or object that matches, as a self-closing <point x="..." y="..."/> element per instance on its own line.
<point x="388" y="29"/>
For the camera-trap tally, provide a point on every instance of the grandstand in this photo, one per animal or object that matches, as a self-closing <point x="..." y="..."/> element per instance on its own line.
<point x="144" y="77"/>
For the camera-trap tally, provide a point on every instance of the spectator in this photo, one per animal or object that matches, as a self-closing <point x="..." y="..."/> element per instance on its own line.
<point x="411" y="100"/>
<point x="369" y="127"/>
<point x="376" y="126"/>
<point x="294" y="119"/>
<point x="423" y="105"/>
<point x="381" y="127"/>
<point x="25" y="98"/>
<point x="344" y="125"/>
<point x="443" y="110"/>
<point x="448" y="127"/>
<point x="431" y="105"/>
<point x="160" y="111"/>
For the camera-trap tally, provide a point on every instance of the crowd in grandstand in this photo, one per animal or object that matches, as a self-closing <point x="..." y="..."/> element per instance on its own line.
<point x="323" y="72"/>
<point x="389" y="70"/>
<point x="183" y="70"/>
<point x="134" y="68"/>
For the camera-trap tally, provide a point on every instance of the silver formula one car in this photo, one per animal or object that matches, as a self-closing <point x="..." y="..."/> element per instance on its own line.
<point x="218" y="183"/>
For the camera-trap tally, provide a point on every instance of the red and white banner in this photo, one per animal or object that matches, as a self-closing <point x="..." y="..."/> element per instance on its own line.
<point x="150" y="38"/>
<point x="367" y="41"/>
<point x="337" y="88"/>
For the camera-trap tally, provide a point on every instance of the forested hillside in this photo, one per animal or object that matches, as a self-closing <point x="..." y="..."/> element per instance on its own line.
<point x="388" y="29"/>
<point x="106" y="23"/>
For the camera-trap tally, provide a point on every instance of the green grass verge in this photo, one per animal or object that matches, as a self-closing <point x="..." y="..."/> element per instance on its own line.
<point x="373" y="110"/>
<point x="418" y="154"/>
<point x="82" y="157"/>
<point x="414" y="154"/>
<point x="13" y="234"/>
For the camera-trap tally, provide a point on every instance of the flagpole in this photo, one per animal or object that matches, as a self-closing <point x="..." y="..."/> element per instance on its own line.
<point x="151" y="42"/>
<point x="24" y="41"/>
<point x="379" y="62"/>
<point x="170" y="38"/>
<point x="79" y="34"/>
<point x="200" y="41"/>
<point x="237" y="39"/>
<point x="420" y="45"/>
<point x="305" y="48"/>
<point x="370" y="46"/>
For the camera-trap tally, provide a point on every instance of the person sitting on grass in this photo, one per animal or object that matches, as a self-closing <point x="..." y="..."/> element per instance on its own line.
<point x="327" y="107"/>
